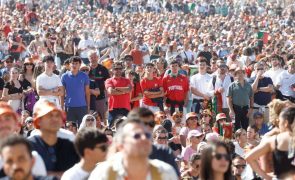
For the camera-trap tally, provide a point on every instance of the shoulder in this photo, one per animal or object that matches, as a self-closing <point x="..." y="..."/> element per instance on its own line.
<point x="166" y="170"/>
<point x="101" y="170"/>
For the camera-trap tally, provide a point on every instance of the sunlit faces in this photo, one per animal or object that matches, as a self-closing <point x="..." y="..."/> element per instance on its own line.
<point x="8" y="125"/>
<point x="220" y="162"/>
<point x="51" y="121"/>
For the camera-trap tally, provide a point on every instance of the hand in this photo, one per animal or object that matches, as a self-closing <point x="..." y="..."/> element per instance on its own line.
<point x="250" y="111"/>
<point x="231" y="113"/>
<point x="259" y="74"/>
<point x="221" y="90"/>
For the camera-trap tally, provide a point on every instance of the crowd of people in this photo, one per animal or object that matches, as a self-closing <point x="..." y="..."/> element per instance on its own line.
<point x="147" y="89"/>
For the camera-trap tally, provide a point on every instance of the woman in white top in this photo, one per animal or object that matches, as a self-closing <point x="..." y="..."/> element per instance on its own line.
<point x="88" y="121"/>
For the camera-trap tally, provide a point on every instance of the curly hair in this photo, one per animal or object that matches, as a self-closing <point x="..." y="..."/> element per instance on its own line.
<point x="275" y="108"/>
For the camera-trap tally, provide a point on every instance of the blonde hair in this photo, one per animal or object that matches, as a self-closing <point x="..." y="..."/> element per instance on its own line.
<point x="275" y="108"/>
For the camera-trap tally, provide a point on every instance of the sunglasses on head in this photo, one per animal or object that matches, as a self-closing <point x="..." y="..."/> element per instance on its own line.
<point x="103" y="147"/>
<point x="150" y="123"/>
<point x="138" y="136"/>
<point x="220" y="156"/>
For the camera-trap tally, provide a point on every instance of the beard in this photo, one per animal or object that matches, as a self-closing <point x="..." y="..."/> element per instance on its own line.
<point x="23" y="176"/>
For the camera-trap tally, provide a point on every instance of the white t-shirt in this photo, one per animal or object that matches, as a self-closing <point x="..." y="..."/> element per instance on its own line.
<point x="285" y="80"/>
<point x="38" y="169"/>
<point x="144" y="48"/>
<point x="201" y="83"/>
<point x="273" y="74"/>
<point x="85" y="44"/>
<point x="76" y="172"/>
<point x="238" y="150"/>
<point x="48" y="83"/>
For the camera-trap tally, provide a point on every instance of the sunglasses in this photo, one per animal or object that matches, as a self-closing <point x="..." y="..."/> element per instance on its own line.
<point x="163" y="117"/>
<point x="240" y="166"/>
<point x="29" y="122"/>
<point x="29" y="64"/>
<point x="162" y="138"/>
<point x="84" y="70"/>
<point x="193" y="118"/>
<point x="118" y="68"/>
<point x="9" y="61"/>
<point x="260" y="69"/>
<point x="90" y="119"/>
<point x="220" y="156"/>
<point x="103" y="147"/>
<point x="150" y="123"/>
<point x="138" y="136"/>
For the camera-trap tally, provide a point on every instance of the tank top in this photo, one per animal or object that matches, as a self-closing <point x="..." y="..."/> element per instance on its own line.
<point x="282" y="164"/>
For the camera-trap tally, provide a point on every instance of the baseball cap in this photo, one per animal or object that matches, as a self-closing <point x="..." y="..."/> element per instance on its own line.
<point x="212" y="137"/>
<point x="194" y="133"/>
<point x="191" y="114"/>
<point x="42" y="108"/>
<point x="258" y="114"/>
<point x="220" y="116"/>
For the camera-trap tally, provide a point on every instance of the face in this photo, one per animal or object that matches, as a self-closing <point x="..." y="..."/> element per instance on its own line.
<point x="250" y="133"/>
<point x="49" y="64"/>
<point x="177" y="118"/>
<point x="14" y="74"/>
<point x="30" y="125"/>
<point x="149" y="69"/>
<point x="51" y="122"/>
<point x="196" y="139"/>
<point x="192" y="122"/>
<point x="283" y="125"/>
<point x="8" y="125"/>
<point x="99" y="153"/>
<point x="29" y="65"/>
<point x="260" y="69"/>
<point x="203" y="66"/>
<point x="137" y="141"/>
<point x="240" y="75"/>
<point x="275" y="62"/>
<point x="291" y="66"/>
<point x="17" y="162"/>
<point x="259" y="120"/>
<point x="220" y="161"/>
<point x="75" y="66"/>
<point x="162" y="139"/>
<point x="128" y="62"/>
<point x="93" y="58"/>
<point x="238" y="166"/>
<point x="206" y="118"/>
<point x="118" y="71"/>
<point x="196" y="166"/>
<point x="8" y="63"/>
<point x="149" y="123"/>
<point x="222" y="68"/>
<point x="243" y="137"/>
<point x="89" y="122"/>
<point x="174" y="68"/>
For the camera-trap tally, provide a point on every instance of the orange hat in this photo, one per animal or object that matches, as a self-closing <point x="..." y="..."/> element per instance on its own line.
<point x="6" y="109"/>
<point x="42" y="108"/>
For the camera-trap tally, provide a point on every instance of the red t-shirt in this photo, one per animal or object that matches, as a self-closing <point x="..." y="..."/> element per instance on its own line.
<point x="176" y="87"/>
<point x="118" y="101"/>
<point x="136" y="89"/>
<point x="137" y="56"/>
<point x="6" y="30"/>
<point x="147" y="85"/>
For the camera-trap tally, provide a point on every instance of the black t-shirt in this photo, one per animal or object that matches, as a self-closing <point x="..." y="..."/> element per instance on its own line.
<point x="99" y="74"/>
<point x="2" y="83"/>
<point x="26" y="84"/>
<point x="12" y="89"/>
<point x="59" y="157"/>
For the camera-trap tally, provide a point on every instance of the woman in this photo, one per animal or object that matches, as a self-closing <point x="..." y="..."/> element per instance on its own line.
<point x="28" y="84"/>
<point x="241" y="142"/>
<point x="281" y="146"/>
<point x="252" y="136"/>
<point x="13" y="91"/>
<point x="216" y="162"/>
<point x="69" y="48"/>
<point x="191" y="123"/>
<point x="222" y="127"/>
<point x="161" y="66"/>
<point x="194" y="138"/>
<point x="193" y="171"/>
<point x="136" y="93"/>
<point x="206" y="117"/>
<point x="88" y="121"/>
<point x="59" y="51"/>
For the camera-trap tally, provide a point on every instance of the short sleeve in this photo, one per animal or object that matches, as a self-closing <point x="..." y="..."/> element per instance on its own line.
<point x="63" y="81"/>
<point x="59" y="82"/>
<point x="108" y="83"/>
<point x="269" y="81"/>
<point x="87" y="80"/>
<point x="7" y="85"/>
<point x="230" y="91"/>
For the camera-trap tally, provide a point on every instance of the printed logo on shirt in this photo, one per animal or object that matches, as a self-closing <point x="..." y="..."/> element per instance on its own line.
<point x="175" y="87"/>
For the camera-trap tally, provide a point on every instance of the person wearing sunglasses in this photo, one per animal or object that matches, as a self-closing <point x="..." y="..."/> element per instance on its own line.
<point x="194" y="138"/>
<point x="88" y="121"/>
<point x="193" y="171"/>
<point x="92" y="146"/>
<point x="216" y="162"/>
<point x="134" y="145"/>
<point x="177" y="118"/>
<point x="238" y="166"/>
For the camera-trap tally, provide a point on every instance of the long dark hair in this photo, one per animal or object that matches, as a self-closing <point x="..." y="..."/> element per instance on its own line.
<point x="206" y="171"/>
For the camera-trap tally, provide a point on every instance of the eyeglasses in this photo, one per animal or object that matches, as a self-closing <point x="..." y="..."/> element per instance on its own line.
<point x="90" y="119"/>
<point x="240" y="166"/>
<point x="150" y="123"/>
<point x="220" y="156"/>
<point x="138" y="136"/>
<point x="177" y="116"/>
<point x="103" y="147"/>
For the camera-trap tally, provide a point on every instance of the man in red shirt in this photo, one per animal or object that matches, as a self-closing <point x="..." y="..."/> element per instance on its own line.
<point x="152" y="89"/>
<point x="175" y="87"/>
<point x="137" y="55"/>
<point x="6" y="28"/>
<point x="119" y="89"/>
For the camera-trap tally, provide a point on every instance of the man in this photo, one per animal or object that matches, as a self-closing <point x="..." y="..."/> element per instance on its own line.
<point x="58" y="154"/>
<point x="84" y="46"/>
<point x="219" y="86"/>
<point x="262" y="88"/>
<point x="134" y="144"/>
<point x="240" y="99"/>
<point x="144" y="50"/>
<point x="91" y="145"/>
<point x="99" y="74"/>
<point x="158" y="152"/>
<point x="175" y="87"/>
<point x="286" y="82"/>
<point x="8" y="64"/>
<point x="128" y="64"/>
<point x="76" y="86"/>
<point x="48" y="84"/>
<point x="18" y="161"/>
<point x="275" y="69"/>
<point x="119" y="89"/>
<point x="206" y="54"/>
<point x="152" y="89"/>
<point x="8" y="126"/>
<point x="238" y="166"/>
<point x="199" y="84"/>
<point x="187" y="54"/>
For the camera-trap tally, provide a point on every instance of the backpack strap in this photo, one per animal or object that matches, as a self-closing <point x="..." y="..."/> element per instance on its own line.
<point x="232" y="79"/>
<point x="214" y="81"/>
